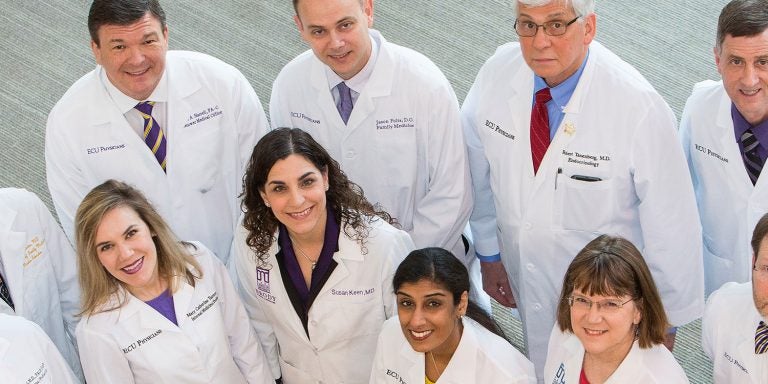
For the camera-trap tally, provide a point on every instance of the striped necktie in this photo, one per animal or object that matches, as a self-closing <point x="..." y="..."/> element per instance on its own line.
<point x="752" y="161"/>
<point x="540" y="127"/>
<point x="153" y="135"/>
<point x="761" y="338"/>
<point x="4" y="294"/>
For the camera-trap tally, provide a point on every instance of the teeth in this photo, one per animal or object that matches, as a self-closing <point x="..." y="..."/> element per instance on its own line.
<point x="301" y="214"/>
<point x="749" y="92"/>
<point x="420" y="335"/>
<point x="593" y="332"/>
<point x="133" y="267"/>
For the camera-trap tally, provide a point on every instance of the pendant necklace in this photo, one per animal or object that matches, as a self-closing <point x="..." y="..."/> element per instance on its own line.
<point x="301" y="252"/>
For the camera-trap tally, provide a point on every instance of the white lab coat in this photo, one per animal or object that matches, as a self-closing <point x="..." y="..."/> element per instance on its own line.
<point x="345" y="318"/>
<point x="214" y="120"/>
<point x="481" y="357"/>
<point x="403" y="143"/>
<point x="640" y="366"/>
<point x="729" y="205"/>
<point x="728" y="336"/>
<point x="40" y="269"/>
<point x="213" y="342"/>
<point x="27" y="355"/>
<point x="617" y="128"/>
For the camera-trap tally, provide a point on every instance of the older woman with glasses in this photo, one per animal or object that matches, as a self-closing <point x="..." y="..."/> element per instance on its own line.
<point x="610" y="321"/>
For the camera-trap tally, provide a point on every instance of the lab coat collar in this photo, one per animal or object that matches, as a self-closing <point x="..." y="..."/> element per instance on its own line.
<point x="148" y="317"/>
<point x="11" y="243"/>
<point x="724" y="123"/>
<point x="463" y="365"/>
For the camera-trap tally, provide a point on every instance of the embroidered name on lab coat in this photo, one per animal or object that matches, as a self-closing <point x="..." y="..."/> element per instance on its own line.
<point x="204" y="306"/>
<point x="33" y="250"/>
<point x="709" y="152"/>
<point x="497" y="128"/>
<point x="560" y="375"/>
<point x="38" y="376"/>
<point x="735" y="362"/>
<point x="142" y="341"/>
<point x="585" y="158"/>
<point x="204" y="115"/>
<point x="300" y="115"/>
<point x="353" y="292"/>
<point x="95" y="150"/>
<point x="394" y="123"/>
<point x="396" y="376"/>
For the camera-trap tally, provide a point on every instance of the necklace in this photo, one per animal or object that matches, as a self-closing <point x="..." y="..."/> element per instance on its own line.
<point x="301" y="252"/>
<point x="434" y="364"/>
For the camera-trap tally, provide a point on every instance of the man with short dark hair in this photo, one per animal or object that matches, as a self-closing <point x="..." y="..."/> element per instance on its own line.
<point x="567" y="141"/>
<point x="724" y="132"/>
<point x="180" y="126"/>
<point x="386" y="113"/>
<point x="734" y="329"/>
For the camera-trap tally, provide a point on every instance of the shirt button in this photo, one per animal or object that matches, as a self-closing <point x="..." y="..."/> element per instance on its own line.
<point x="537" y="307"/>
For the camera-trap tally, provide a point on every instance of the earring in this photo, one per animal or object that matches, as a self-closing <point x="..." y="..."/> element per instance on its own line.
<point x="327" y="187"/>
<point x="267" y="204"/>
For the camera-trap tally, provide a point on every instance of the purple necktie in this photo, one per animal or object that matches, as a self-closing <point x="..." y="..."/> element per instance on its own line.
<point x="345" y="101"/>
<point x="153" y="135"/>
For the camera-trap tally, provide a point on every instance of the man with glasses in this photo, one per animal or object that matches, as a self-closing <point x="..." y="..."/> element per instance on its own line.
<point x="567" y="141"/>
<point x="734" y="330"/>
<point x="724" y="131"/>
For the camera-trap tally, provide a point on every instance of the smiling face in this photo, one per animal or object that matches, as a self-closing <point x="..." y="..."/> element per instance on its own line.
<point x="125" y="248"/>
<point x="295" y="191"/>
<point x="555" y="58"/>
<point x="429" y="318"/>
<point x="743" y="64"/>
<point x="605" y="335"/>
<point x="337" y="31"/>
<point x="133" y="55"/>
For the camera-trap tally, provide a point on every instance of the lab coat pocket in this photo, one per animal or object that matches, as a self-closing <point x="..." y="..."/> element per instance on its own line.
<point x="586" y="205"/>
<point x="291" y="374"/>
<point x="198" y="155"/>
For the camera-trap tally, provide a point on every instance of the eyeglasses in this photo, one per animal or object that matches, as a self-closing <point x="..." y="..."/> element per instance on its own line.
<point x="527" y="28"/>
<point x="606" y="306"/>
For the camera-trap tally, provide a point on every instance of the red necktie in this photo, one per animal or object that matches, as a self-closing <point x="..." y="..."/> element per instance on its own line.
<point x="540" y="127"/>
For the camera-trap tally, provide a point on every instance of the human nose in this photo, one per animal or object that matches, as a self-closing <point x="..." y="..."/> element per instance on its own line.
<point x="540" y="39"/>
<point x="297" y="198"/>
<point x="749" y="76"/>
<point x="337" y="40"/>
<point x="594" y="315"/>
<point x="417" y="318"/>
<point x="124" y="250"/>
<point x="136" y="56"/>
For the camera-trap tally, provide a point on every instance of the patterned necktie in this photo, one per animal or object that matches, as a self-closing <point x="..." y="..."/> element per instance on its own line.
<point x="153" y="135"/>
<point x="761" y="338"/>
<point x="540" y="127"/>
<point x="751" y="159"/>
<point x="4" y="294"/>
<point x="345" y="101"/>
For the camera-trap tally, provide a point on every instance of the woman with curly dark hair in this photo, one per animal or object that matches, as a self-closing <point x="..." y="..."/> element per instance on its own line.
<point x="314" y="260"/>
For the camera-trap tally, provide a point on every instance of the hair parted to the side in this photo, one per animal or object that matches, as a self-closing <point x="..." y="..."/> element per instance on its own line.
<point x="580" y="7"/>
<point x="441" y="267"/>
<point x="742" y="18"/>
<point x="121" y="12"/>
<point x="345" y="198"/>
<point x="97" y="284"/>
<point x="612" y="266"/>
<point x="296" y="5"/>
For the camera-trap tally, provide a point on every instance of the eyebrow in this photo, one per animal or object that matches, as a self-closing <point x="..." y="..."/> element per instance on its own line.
<point x="280" y="182"/>
<point x="548" y="17"/>
<point x="124" y="233"/>
<point x="341" y="21"/>
<point x="147" y="35"/>
<point x="428" y="295"/>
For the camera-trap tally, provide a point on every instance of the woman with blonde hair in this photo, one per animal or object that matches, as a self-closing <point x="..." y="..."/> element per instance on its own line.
<point x="155" y="309"/>
<point x="610" y="321"/>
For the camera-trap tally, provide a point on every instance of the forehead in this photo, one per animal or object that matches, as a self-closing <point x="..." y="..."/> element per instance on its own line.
<point x="421" y="288"/>
<point x="117" y="219"/>
<point x="146" y="25"/>
<point x="327" y="10"/>
<point x="552" y="9"/>
<point x="755" y="45"/>
<point x="290" y="167"/>
<point x="762" y="252"/>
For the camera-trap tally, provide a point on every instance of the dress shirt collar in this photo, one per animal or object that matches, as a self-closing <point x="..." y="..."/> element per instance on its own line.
<point x="562" y="92"/>
<point x="740" y="125"/>
<point x="124" y="102"/>
<point x="358" y="81"/>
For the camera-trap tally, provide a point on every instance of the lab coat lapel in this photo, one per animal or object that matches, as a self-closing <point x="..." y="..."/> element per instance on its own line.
<point x="180" y="102"/>
<point x="325" y="104"/>
<point x="520" y="104"/>
<point x="13" y="252"/>
<point x="148" y="318"/>
<point x="414" y="371"/>
<point x="379" y="84"/>
<point x="183" y="302"/>
<point x="348" y="251"/>
<point x="463" y="365"/>
<point x="730" y="147"/>
<point x="631" y="369"/>
<point x="747" y="348"/>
